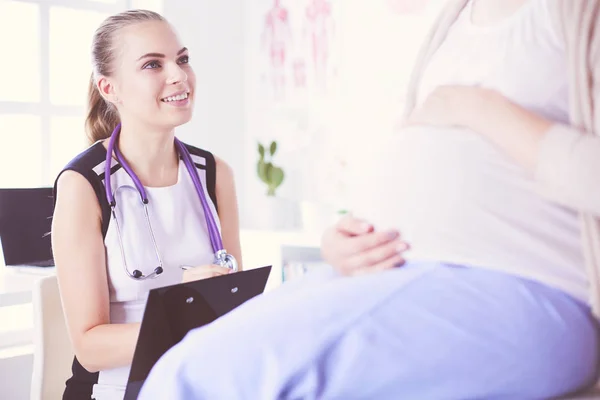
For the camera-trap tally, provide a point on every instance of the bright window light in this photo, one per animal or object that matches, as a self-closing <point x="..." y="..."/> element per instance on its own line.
<point x="20" y="133"/>
<point x="44" y="77"/>
<point x="20" y="48"/>
<point x="71" y="33"/>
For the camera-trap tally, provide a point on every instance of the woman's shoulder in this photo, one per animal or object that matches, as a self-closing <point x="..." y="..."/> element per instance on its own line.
<point x="202" y="158"/>
<point x="89" y="164"/>
<point x="197" y="150"/>
<point x="84" y="170"/>
<point x="218" y="172"/>
<point x="210" y="161"/>
<point x="91" y="159"/>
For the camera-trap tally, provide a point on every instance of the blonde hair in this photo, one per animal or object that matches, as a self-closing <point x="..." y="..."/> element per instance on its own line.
<point x="102" y="117"/>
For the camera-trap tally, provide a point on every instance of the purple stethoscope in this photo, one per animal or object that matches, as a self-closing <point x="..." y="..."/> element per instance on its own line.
<point x="222" y="258"/>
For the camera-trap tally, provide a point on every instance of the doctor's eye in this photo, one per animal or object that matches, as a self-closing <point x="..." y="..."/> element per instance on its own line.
<point x="151" y="65"/>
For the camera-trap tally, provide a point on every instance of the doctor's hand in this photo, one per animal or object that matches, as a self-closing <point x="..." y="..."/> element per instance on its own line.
<point x="352" y="247"/>
<point x="204" y="272"/>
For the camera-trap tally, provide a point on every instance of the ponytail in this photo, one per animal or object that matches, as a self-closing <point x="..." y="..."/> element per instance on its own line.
<point x="101" y="118"/>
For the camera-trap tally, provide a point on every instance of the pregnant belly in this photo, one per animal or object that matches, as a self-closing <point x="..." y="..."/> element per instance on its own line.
<point x="427" y="180"/>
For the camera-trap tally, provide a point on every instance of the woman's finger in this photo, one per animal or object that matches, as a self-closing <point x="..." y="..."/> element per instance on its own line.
<point x="352" y="226"/>
<point x="392" y="262"/>
<point x="376" y="255"/>
<point x="349" y="247"/>
<point x="204" y="272"/>
<point x="219" y="270"/>
<point x="363" y="243"/>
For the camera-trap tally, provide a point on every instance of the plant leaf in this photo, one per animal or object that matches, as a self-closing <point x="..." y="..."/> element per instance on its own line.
<point x="277" y="176"/>
<point x="269" y="172"/>
<point x="262" y="171"/>
<point x="261" y="151"/>
<point x="273" y="148"/>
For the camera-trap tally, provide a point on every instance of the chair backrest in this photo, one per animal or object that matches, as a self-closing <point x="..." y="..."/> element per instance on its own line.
<point x="53" y="353"/>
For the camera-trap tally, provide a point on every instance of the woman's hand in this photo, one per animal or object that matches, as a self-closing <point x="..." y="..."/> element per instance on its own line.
<point x="454" y="105"/>
<point x="353" y="248"/>
<point x="511" y="127"/>
<point x="204" y="272"/>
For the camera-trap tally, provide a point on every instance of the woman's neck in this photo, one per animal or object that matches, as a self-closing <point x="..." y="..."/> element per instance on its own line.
<point x="151" y="155"/>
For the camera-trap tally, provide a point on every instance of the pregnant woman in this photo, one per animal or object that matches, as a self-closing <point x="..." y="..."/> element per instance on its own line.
<point x="494" y="184"/>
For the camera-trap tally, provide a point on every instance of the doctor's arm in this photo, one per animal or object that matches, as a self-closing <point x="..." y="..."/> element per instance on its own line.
<point x="79" y="253"/>
<point x="228" y="210"/>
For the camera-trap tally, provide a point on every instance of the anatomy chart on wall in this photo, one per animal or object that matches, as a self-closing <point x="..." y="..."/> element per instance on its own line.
<point x="320" y="30"/>
<point x="276" y="43"/>
<point x="296" y="47"/>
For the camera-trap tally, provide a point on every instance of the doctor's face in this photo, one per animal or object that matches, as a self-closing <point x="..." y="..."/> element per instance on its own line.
<point x="153" y="79"/>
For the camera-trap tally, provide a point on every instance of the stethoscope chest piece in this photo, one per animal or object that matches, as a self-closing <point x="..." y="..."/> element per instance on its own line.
<point x="224" y="259"/>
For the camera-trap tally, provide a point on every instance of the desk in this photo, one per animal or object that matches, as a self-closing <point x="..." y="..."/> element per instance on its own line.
<point x="16" y="283"/>
<point x="258" y="248"/>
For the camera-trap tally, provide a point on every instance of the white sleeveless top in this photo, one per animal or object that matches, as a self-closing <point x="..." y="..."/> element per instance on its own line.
<point x="458" y="198"/>
<point x="180" y="229"/>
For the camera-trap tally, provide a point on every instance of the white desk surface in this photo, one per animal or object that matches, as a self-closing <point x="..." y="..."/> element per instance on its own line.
<point x="258" y="247"/>
<point x="16" y="283"/>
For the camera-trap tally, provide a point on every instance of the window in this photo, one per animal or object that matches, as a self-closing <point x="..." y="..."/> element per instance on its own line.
<point x="44" y="77"/>
<point x="22" y="74"/>
<point x="23" y="132"/>
<point x="69" y="65"/>
<point x="44" y="80"/>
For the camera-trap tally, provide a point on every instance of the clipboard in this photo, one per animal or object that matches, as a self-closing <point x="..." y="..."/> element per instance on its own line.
<point x="172" y="311"/>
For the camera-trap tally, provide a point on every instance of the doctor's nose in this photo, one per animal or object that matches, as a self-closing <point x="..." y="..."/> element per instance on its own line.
<point x="176" y="75"/>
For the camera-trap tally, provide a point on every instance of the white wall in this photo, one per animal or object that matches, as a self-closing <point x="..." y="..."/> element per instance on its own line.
<point x="213" y="31"/>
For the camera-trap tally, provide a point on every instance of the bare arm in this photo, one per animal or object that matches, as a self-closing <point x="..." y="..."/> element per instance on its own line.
<point x="79" y="254"/>
<point x="565" y="160"/>
<point x="228" y="210"/>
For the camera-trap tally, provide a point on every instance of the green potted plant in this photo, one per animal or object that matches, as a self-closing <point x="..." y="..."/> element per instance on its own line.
<point x="271" y="175"/>
<point x="274" y="211"/>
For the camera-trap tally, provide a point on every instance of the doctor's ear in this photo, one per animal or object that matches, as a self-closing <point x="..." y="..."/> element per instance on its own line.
<point x="107" y="90"/>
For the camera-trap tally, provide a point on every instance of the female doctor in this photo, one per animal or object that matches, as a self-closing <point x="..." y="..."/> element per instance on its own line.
<point x="138" y="209"/>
